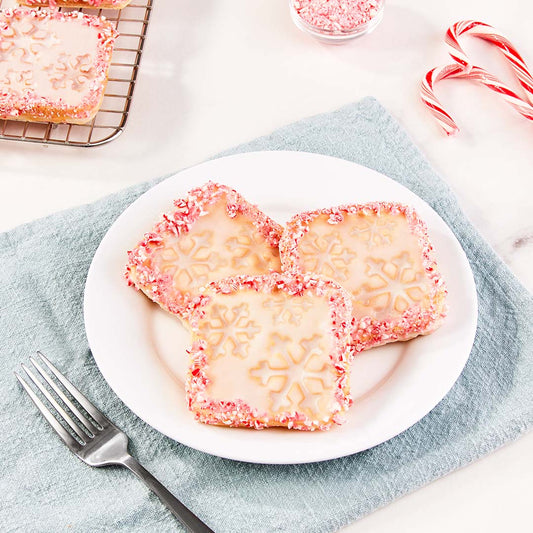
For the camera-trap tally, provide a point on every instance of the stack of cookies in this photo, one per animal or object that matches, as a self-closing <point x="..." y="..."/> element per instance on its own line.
<point x="277" y="315"/>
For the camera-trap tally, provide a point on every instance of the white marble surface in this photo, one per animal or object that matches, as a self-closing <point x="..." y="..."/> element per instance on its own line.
<point x="219" y="72"/>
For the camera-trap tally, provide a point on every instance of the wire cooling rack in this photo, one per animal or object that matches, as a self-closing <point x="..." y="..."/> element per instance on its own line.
<point x="131" y="23"/>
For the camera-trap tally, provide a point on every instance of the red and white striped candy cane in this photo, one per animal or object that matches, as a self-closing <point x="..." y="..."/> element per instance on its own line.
<point x="463" y="68"/>
<point x="493" y="36"/>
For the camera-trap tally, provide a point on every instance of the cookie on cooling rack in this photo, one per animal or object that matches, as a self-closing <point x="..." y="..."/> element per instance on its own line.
<point x="94" y="4"/>
<point x="53" y="65"/>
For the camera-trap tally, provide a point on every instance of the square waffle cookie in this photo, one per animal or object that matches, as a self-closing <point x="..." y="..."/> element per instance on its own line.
<point x="96" y="4"/>
<point x="270" y="351"/>
<point x="53" y="65"/>
<point x="381" y="254"/>
<point x="211" y="234"/>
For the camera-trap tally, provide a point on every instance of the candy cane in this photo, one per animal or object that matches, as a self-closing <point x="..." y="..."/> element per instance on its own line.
<point x="488" y="33"/>
<point x="463" y="68"/>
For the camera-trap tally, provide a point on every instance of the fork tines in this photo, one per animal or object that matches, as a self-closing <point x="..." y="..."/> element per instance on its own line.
<point x="82" y="427"/>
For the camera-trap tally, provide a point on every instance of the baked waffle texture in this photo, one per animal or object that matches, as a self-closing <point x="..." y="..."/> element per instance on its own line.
<point x="270" y="351"/>
<point x="381" y="254"/>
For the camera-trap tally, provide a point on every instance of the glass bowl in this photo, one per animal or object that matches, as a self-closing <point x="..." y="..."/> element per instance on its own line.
<point x="336" y="36"/>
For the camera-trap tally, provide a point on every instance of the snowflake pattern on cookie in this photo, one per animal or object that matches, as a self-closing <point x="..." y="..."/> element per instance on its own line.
<point x="393" y="286"/>
<point x="228" y="331"/>
<point x="71" y="72"/>
<point x="190" y="259"/>
<point x="212" y="233"/>
<point x="295" y="374"/>
<point x="247" y="249"/>
<point x="381" y="254"/>
<point x="24" y="40"/>
<point x="26" y="43"/>
<point x="326" y="255"/>
<point x="53" y="64"/>
<point x="288" y="310"/>
<point x="290" y="372"/>
<point x="374" y="232"/>
<point x="18" y="77"/>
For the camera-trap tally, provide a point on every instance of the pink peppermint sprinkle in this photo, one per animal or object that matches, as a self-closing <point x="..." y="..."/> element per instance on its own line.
<point x="337" y="16"/>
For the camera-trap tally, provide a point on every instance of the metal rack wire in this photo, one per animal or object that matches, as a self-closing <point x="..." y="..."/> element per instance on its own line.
<point x="132" y="24"/>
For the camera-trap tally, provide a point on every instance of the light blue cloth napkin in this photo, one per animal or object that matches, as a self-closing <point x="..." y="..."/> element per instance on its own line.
<point x="46" y="489"/>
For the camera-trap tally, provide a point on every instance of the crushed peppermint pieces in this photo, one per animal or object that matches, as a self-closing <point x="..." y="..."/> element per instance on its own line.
<point x="412" y="317"/>
<point x="101" y="4"/>
<point x="175" y="258"/>
<point x="293" y="412"/>
<point x="258" y="359"/>
<point x="337" y="16"/>
<point x="83" y="76"/>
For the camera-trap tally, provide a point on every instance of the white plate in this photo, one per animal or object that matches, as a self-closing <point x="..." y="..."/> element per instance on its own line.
<point x="140" y="349"/>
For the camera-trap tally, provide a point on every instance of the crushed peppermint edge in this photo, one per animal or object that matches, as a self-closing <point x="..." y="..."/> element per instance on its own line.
<point x="238" y="413"/>
<point x="76" y="3"/>
<point x="367" y="331"/>
<point x="337" y="16"/>
<point x="143" y="274"/>
<point x="29" y="104"/>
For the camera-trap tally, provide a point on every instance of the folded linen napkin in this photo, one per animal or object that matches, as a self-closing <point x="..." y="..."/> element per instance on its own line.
<point x="45" y="488"/>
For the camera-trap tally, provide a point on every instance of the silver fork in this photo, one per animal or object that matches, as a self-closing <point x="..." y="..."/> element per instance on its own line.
<point x="99" y="442"/>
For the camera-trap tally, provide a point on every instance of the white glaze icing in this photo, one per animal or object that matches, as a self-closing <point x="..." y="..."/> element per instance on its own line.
<point x="267" y="358"/>
<point x="216" y="246"/>
<point x="375" y="257"/>
<point x="52" y="57"/>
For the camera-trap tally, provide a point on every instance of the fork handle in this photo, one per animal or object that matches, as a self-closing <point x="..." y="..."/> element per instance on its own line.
<point x="191" y="522"/>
